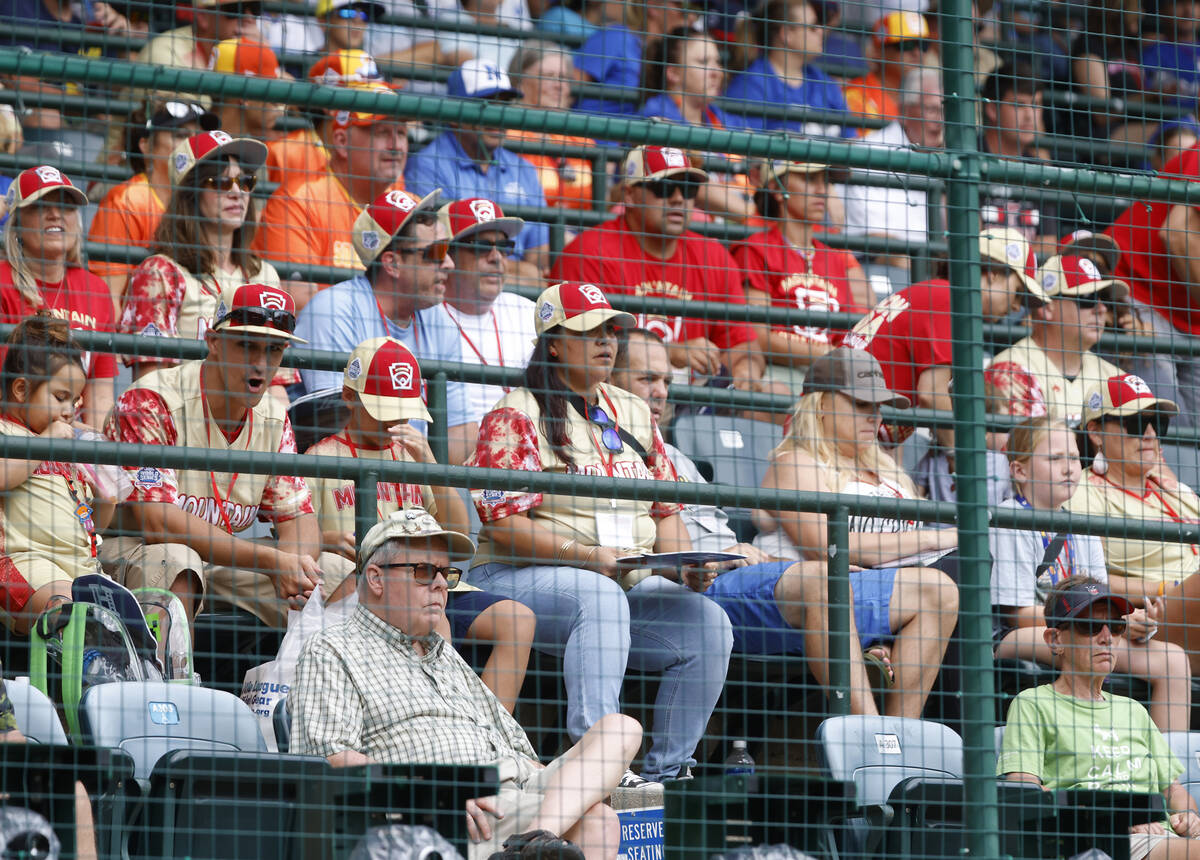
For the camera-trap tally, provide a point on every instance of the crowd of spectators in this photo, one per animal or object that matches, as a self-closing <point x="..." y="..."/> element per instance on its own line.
<point x="429" y="267"/>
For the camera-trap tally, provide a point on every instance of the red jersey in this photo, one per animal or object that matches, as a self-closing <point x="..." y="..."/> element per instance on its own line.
<point x="908" y="332"/>
<point x="772" y="265"/>
<point x="610" y="257"/>
<point x="1144" y="263"/>
<point x="82" y="299"/>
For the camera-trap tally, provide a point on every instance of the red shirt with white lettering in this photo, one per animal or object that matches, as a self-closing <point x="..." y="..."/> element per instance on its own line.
<point x="610" y="257"/>
<point x="1144" y="262"/>
<point x="909" y="332"/>
<point x="81" y="298"/>
<point x="772" y="265"/>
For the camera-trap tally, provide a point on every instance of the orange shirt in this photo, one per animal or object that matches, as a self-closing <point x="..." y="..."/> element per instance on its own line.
<point x="566" y="182"/>
<point x="128" y="215"/>
<point x="868" y="97"/>
<point x="310" y="221"/>
<point x="299" y="153"/>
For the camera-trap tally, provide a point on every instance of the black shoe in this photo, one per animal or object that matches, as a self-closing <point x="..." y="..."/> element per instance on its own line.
<point x="538" y="845"/>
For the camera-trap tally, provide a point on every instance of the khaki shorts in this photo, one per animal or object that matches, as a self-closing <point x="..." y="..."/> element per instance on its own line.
<point x="334" y="571"/>
<point x="522" y="790"/>
<point x="1141" y="844"/>
<point x="156" y="565"/>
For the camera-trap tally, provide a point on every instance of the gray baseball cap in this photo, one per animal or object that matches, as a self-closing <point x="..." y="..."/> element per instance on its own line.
<point x="415" y="524"/>
<point x="855" y="373"/>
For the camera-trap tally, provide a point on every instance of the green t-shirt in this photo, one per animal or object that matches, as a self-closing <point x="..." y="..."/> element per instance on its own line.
<point x="1066" y="742"/>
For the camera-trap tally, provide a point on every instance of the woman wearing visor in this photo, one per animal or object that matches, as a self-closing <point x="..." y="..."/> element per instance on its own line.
<point x="1128" y="480"/>
<point x="559" y="554"/>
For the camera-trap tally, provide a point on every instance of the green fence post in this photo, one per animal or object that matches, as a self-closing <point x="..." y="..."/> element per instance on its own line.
<point x="600" y="182"/>
<point x="966" y="309"/>
<point x="366" y="503"/>
<point x="439" y="433"/>
<point x="838" y="550"/>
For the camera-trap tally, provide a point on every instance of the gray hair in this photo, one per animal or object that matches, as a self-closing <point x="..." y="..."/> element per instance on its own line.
<point x="529" y="55"/>
<point x="920" y="82"/>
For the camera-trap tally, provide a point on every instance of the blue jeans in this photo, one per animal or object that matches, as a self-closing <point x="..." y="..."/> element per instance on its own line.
<point x="599" y="630"/>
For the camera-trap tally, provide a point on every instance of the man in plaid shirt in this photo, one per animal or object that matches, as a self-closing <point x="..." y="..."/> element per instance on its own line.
<point x="430" y="707"/>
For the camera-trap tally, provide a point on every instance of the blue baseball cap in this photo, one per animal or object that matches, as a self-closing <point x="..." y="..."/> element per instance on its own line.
<point x="477" y="79"/>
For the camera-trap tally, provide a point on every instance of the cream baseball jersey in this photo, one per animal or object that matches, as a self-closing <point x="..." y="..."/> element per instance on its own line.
<point x="1157" y="562"/>
<point x="333" y="498"/>
<point x="41" y="520"/>
<point x="1032" y="385"/>
<point x="511" y="437"/>
<point x="166" y="407"/>
<point x="166" y="300"/>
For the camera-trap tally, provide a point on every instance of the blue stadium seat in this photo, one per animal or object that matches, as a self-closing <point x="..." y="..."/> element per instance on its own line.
<point x="737" y="449"/>
<point x="150" y="719"/>
<point x="1186" y="746"/>
<point x="36" y="717"/>
<point x="876" y="754"/>
<point x="1184" y="460"/>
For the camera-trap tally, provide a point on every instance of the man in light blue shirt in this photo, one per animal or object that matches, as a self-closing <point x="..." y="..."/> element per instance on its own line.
<point x="468" y="162"/>
<point x="405" y="249"/>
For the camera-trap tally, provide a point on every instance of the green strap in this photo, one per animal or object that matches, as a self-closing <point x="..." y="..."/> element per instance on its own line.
<point x="37" y="657"/>
<point x="72" y="666"/>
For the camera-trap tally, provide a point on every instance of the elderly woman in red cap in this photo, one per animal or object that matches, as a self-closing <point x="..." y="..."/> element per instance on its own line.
<point x="43" y="270"/>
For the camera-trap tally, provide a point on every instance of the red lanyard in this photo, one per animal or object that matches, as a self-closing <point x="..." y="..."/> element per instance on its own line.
<point x="1170" y="512"/>
<point x="222" y="504"/>
<point x="495" y="327"/>
<point x="345" y="440"/>
<point x="600" y="449"/>
<point x="387" y="328"/>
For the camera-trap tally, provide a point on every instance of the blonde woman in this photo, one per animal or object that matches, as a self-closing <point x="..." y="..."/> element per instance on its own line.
<point x="43" y="270"/>
<point x="832" y="447"/>
<point x="1027" y="564"/>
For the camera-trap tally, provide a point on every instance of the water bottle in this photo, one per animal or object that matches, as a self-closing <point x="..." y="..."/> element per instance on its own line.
<point x="739" y="760"/>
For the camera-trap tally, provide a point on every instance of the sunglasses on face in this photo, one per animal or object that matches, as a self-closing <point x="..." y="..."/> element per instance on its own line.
<point x="908" y="45"/>
<point x="664" y="189"/>
<point x="483" y="247"/>
<point x="224" y="183"/>
<point x="1136" y="424"/>
<point x="434" y="252"/>
<point x="270" y="317"/>
<point x="1091" y="627"/>
<point x="1087" y="303"/>
<point x="609" y="437"/>
<point x="349" y="13"/>
<point x="424" y="573"/>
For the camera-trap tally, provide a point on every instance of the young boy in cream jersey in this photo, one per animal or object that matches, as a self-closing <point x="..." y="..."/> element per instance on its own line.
<point x="382" y="387"/>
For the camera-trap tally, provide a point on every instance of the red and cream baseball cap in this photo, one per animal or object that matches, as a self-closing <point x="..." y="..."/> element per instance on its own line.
<point x="1067" y="276"/>
<point x="577" y="307"/>
<point x="387" y="378"/>
<point x="35" y="183"/>
<point x="901" y="27"/>
<point x="343" y="68"/>
<point x="215" y="144"/>
<point x="246" y="57"/>
<point x="379" y="222"/>
<point x="1121" y="395"/>
<point x="1101" y="244"/>
<point x="465" y="218"/>
<point x="1005" y="245"/>
<point x="645" y="163"/>
<point x="257" y="309"/>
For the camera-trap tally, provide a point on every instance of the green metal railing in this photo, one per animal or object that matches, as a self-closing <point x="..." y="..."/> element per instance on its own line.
<point x="961" y="168"/>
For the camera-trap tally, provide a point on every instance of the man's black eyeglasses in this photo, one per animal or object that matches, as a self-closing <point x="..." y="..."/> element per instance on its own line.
<point x="1091" y="627"/>
<point x="909" y="45"/>
<point x="483" y="247"/>
<point x="609" y="437"/>
<point x="664" y="189"/>
<point x="424" y="573"/>
<point x="270" y="317"/>
<point x="225" y="182"/>
<point x="1136" y="424"/>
